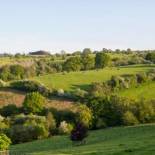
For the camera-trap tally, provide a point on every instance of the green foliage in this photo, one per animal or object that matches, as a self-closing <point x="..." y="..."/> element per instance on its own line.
<point x="129" y="118"/>
<point x="88" y="61"/>
<point x="9" y="110"/>
<point x="145" y="111"/>
<point x="101" y="60"/>
<point x="34" y="102"/>
<point x="28" y="127"/>
<point x="65" y="128"/>
<point x="4" y="142"/>
<point x="30" y="86"/>
<point x="73" y="64"/>
<point x="51" y="123"/>
<point x="13" y="72"/>
<point x="151" y="57"/>
<point x="84" y="115"/>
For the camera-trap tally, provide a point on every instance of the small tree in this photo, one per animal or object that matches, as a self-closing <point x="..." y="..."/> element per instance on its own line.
<point x="34" y="102"/>
<point x="79" y="133"/>
<point x="4" y="142"/>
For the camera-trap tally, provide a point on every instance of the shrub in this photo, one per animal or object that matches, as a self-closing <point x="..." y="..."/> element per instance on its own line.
<point x="73" y="64"/>
<point x="26" y="133"/>
<point x="129" y="118"/>
<point x="51" y="123"/>
<point x="34" y="102"/>
<point x="61" y="115"/>
<point x="4" y="142"/>
<point x="2" y="83"/>
<point x="84" y="115"/>
<point x="28" y="127"/>
<point x="30" y="86"/>
<point x="9" y="110"/>
<point x="141" y="77"/>
<point x="65" y="128"/>
<point x="13" y="72"/>
<point x="79" y="133"/>
<point x="151" y="57"/>
<point x="145" y="111"/>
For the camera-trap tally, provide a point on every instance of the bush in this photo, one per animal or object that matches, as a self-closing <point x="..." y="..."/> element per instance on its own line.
<point x="129" y="118"/>
<point x="28" y="127"/>
<point x="141" y="78"/>
<point x="9" y="110"/>
<point x="31" y="86"/>
<point x="145" y="111"/>
<point x="51" y="123"/>
<point x="4" y="142"/>
<point x="2" y="83"/>
<point x="65" y="128"/>
<point x="34" y="102"/>
<point x="84" y="115"/>
<point x="79" y="133"/>
<point x="13" y="72"/>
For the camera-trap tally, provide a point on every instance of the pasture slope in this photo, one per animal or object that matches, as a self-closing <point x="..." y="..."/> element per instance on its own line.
<point x="82" y="79"/>
<point x="137" y="140"/>
<point x="145" y="91"/>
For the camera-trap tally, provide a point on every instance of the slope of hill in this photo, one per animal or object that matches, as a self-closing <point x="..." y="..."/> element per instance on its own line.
<point x="146" y="91"/>
<point x="72" y="80"/>
<point x="138" y="140"/>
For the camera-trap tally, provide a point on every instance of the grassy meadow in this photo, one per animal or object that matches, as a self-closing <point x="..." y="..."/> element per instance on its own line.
<point x="137" y="140"/>
<point x="146" y="91"/>
<point x="82" y="79"/>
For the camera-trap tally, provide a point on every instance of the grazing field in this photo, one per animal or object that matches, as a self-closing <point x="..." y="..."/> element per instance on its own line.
<point x="146" y="91"/>
<point x="138" y="140"/>
<point x="72" y="80"/>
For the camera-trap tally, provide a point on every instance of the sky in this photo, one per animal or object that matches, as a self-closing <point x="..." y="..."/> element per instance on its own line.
<point x="71" y="25"/>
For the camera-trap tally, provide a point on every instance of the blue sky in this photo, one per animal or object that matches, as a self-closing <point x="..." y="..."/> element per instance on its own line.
<point x="55" y="25"/>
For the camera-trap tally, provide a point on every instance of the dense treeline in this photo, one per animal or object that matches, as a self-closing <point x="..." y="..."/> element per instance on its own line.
<point x="77" y="61"/>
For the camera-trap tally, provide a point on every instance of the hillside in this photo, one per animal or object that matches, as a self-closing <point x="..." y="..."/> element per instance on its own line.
<point x="73" y="80"/>
<point x="138" y="140"/>
<point x="143" y="91"/>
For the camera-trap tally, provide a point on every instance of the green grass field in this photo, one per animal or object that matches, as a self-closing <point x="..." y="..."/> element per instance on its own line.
<point x="72" y="80"/>
<point x="138" y="140"/>
<point x="146" y="91"/>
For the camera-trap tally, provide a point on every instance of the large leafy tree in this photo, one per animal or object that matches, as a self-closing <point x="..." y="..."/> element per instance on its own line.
<point x="101" y="60"/>
<point x="88" y="61"/>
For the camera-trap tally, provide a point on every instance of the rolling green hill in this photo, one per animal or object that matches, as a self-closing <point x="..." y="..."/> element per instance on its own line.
<point x="72" y="80"/>
<point x="138" y="140"/>
<point x="146" y="91"/>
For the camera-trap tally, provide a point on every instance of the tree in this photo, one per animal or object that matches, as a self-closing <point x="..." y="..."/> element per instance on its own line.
<point x="87" y="51"/>
<point x="101" y="60"/>
<point x="87" y="61"/>
<point x="34" y="102"/>
<point x="151" y="57"/>
<point x="4" y="142"/>
<point x="73" y="64"/>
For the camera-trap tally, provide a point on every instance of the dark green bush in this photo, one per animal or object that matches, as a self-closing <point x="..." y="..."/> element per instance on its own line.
<point x="9" y="110"/>
<point x="30" y="86"/>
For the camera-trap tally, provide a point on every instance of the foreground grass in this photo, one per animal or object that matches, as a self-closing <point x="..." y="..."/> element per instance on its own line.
<point x="72" y="80"/>
<point x="146" y="91"/>
<point x="138" y="140"/>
